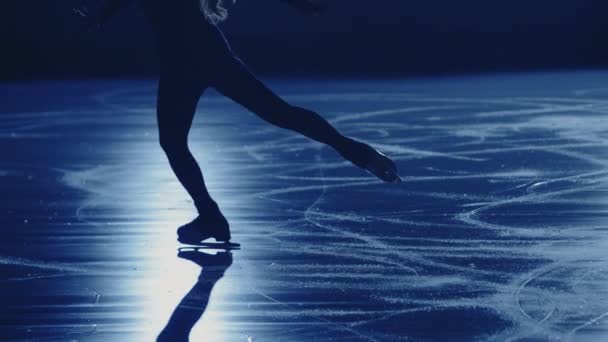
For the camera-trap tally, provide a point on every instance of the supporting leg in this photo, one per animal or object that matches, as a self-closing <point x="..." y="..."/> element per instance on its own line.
<point x="177" y="100"/>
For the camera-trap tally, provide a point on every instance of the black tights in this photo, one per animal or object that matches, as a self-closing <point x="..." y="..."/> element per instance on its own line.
<point x="177" y="100"/>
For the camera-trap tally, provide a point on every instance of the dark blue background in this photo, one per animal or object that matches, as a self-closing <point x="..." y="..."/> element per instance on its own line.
<point x="41" y="39"/>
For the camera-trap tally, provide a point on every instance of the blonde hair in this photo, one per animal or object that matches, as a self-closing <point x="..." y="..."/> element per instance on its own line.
<point x="216" y="11"/>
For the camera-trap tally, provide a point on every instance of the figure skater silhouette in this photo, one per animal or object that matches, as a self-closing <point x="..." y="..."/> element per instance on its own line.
<point x="195" y="55"/>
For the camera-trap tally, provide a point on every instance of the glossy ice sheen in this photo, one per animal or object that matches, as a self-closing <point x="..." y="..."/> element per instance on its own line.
<point x="497" y="232"/>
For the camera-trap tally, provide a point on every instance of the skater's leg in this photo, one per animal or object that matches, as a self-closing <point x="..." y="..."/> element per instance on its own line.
<point x="237" y="83"/>
<point x="242" y="86"/>
<point x="176" y="106"/>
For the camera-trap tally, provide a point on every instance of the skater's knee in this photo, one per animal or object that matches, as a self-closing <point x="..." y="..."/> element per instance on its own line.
<point x="173" y="145"/>
<point x="296" y="117"/>
<point x="282" y="115"/>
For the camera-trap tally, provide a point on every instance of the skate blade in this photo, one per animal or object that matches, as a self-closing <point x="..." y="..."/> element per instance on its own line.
<point x="210" y="245"/>
<point x="190" y="240"/>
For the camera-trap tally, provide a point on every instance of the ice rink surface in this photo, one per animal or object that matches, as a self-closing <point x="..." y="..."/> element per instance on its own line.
<point x="499" y="231"/>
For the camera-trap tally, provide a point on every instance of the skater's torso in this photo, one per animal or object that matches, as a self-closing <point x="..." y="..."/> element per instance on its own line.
<point x="183" y="34"/>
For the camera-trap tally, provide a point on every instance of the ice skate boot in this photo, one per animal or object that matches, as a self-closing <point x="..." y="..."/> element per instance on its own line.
<point x="371" y="160"/>
<point x="210" y="224"/>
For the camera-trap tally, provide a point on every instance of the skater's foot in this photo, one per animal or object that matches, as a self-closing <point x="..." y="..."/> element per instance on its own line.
<point x="371" y="160"/>
<point x="211" y="223"/>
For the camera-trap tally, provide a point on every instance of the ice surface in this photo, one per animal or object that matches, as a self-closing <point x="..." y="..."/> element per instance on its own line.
<point x="498" y="231"/>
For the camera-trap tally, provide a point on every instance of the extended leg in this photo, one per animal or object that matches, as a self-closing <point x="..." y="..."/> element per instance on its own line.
<point x="237" y="83"/>
<point x="240" y="85"/>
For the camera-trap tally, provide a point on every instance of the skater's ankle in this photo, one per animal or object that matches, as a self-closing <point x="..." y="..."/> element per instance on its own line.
<point x="206" y="206"/>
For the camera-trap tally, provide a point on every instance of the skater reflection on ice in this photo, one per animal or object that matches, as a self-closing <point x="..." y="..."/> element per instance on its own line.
<point x="194" y="56"/>
<point x="193" y="305"/>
